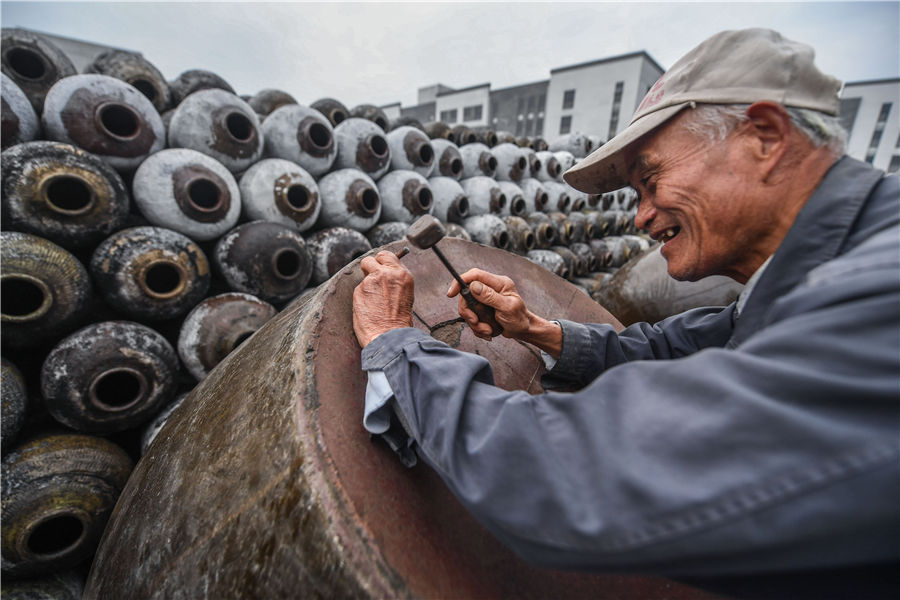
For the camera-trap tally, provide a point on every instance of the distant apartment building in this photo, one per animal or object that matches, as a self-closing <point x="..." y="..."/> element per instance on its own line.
<point x="596" y="97"/>
<point x="599" y="97"/>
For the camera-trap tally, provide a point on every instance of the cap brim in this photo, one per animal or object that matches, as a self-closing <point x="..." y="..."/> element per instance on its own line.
<point x="604" y="169"/>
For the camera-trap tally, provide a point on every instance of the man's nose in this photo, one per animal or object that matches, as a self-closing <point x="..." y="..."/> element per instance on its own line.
<point x="645" y="214"/>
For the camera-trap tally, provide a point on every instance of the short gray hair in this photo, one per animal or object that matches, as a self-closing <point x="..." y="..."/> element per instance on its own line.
<point x="713" y="122"/>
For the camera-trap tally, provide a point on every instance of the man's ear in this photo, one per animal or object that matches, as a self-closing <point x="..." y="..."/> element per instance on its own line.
<point x="769" y="129"/>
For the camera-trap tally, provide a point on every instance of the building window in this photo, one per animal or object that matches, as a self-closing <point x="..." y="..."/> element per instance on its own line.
<point x="565" y="124"/>
<point x="542" y="99"/>
<point x="448" y="116"/>
<point x="894" y="167"/>
<point x="568" y="98"/>
<point x="539" y="126"/>
<point x="472" y="113"/>
<point x="879" y="129"/>
<point x="616" y="106"/>
<point x="520" y="127"/>
<point x="848" y="112"/>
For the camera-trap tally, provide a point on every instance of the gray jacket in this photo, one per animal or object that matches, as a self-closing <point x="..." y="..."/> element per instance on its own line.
<point x="708" y="443"/>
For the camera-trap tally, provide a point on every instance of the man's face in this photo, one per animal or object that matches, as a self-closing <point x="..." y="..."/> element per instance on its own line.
<point x="698" y="199"/>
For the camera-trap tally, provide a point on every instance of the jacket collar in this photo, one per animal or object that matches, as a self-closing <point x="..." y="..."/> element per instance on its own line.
<point x="817" y="235"/>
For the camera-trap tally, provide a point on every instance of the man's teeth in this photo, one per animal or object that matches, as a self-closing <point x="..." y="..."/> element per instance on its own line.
<point x="668" y="235"/>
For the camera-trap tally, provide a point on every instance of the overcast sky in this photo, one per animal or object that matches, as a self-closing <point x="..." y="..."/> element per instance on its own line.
<point x="381" y="53"/>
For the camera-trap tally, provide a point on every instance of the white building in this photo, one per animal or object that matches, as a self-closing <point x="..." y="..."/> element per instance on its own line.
<point x="870" y="112"/>
<point x="468" y="106"/>
<point x="598" y="97"/>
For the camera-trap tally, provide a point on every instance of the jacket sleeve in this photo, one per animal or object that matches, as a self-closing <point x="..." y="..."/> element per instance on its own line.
<point x="779" y="454"/>
<point x="589" y="349"/>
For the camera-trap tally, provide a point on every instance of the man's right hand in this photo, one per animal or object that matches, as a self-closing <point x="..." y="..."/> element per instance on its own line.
<point x="518" y="322"/>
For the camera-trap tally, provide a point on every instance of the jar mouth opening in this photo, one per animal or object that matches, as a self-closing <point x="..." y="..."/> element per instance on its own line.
<point x="118" y="121"/>
<point x="55" y="534"/>
<point x="145" y="87"/>
<point x="162" y="279"/>
<point x="27" y="63"/>
<point x="369" y="200"/>
<point x="204" y="195"/>
<point x="118" y="389"/>
<point x="238" y="126"/>
<point x="287" y="264"/>
<point x="378" y="145"/>
<point x="67" y="194"/>
<point x="23" y="298"/>
<point x="425" y="198"/>
<point x="298" y="197"/>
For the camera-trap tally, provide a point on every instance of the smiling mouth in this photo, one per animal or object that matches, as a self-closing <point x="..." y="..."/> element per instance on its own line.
<point x="668" y="234"/>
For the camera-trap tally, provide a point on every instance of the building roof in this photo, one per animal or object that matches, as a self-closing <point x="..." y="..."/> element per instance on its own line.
<point x="591" y="63"/>
<point x="465" y="89"/>
<point x="79" y="41"/>
<point x="520" y="85"/>
<point x="873" y="81"/>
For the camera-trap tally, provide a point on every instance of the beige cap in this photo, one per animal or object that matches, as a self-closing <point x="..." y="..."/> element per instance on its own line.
<point x="731" y="67"/>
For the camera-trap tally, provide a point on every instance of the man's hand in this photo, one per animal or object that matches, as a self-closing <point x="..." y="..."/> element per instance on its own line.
<point x="496" y="291"/>
<point x="384" y="298"/>
<point x="518" y="322"/>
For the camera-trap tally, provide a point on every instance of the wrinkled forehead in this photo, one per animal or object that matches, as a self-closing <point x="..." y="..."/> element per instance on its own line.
<point x="648" y="151"/>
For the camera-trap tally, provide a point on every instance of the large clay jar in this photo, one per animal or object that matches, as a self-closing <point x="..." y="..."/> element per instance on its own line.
<point x="361" y="144"/>
<point x="104" y="116"/>
<point x="220" y="125"/>
<point x="109" y="376"/>
<point x="217" y="326"/>
<point x="194" y="80"/>
<point x="450" y="201"/>
<point x="263" y="484"/>
<point x="349" y="199"/>
<point x="265" y="259"/>
<point x="44" y="290"/>
<point x="62" y="193"/>
<point x="301" y="135"/>
<point x="411" y="150"/>
<point x="150" y="273"/>
<point x="643" y="290"/>
<point x="188" y="192"/>
<point x="405" y="195"/>
<point x="58" y="492"/>
<point x="448" y="160"/>
<point x="281" y="191"/>
<point x="134" y="69"/>
<point x="334" y="110"/>
<point x="34" y="63"/>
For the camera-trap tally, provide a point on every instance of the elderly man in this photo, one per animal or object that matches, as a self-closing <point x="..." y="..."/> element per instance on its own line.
<point x="761" y="436"/>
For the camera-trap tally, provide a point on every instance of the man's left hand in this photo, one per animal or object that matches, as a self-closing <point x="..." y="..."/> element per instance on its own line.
<point x="384" y="298"/>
